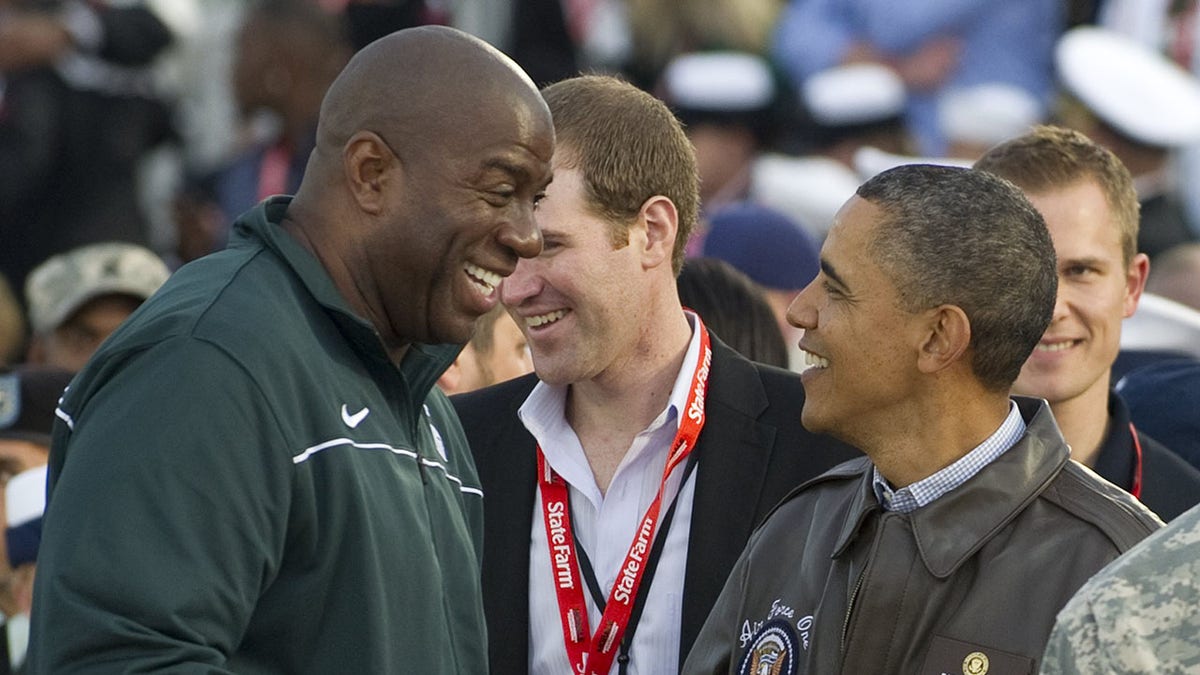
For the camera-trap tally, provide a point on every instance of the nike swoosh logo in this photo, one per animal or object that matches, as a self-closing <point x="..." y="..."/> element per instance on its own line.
<point x="355" y="419"/>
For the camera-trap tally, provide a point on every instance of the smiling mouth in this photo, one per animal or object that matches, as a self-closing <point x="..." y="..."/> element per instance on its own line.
<point x="544" y="319"/>
<point x="1051" y="347"/>
<point x="813" y="361"/>
<point x="485" y="281"/>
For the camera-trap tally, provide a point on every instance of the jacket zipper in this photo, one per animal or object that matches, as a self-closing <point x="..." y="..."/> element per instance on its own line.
<point x="870" y="562"/>
<point x="850" y="607"/>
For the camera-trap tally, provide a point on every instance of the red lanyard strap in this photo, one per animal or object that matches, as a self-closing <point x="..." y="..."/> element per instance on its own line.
<point x="1136" y="488"/>
<point x="639" y="601"/>
<point x="596" y="651"/>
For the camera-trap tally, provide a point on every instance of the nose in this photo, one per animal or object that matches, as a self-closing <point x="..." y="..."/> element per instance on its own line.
<point x="522" y="284"/>
<point x="802" y="313"/>
<point x="1061" y="306"/>
<point x="522" y="236"/>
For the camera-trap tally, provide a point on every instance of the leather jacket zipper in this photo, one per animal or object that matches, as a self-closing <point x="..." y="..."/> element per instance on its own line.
<point x="850" y="606"/>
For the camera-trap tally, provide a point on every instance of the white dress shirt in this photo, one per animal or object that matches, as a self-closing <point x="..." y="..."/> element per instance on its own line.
<point x="605" y="526"/>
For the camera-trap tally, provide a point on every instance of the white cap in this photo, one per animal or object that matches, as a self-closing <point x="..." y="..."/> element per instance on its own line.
<point x="24" y="502"/>
<point x="870" y="162"/>
<point x="809" y="189"/>
<point x="719" y="81"/>
<point x="25" y="496"/>
<point x="1129" y="86"/>
<point x="57" y="288"/>
<point x="986" y="114"/>
<point x="858" y="93"/>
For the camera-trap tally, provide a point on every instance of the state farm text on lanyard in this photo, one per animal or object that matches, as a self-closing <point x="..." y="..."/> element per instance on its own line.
<point x="590" y="653"/>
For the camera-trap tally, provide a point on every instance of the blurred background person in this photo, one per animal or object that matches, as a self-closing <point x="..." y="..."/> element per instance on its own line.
<point x="1175" y="275"/>
<point x="287" y="54"/>
<point x="733" y="107"/>
<point x="663" y="29"/>
<point x="497" y="352"/>
<point x="28" y="396"/>
<point x="1164" y="400"/>
<point x="78" y="298"/>
<point x="847" y="107"/>
<point x="557" y="39"/>
<point x="1160" y="330"/>
<point x="1137" y="103"/>
<point x="934" y="46"/>
<point x="12" y="326"/>
<point x="977" y="117"/>
<point x="81" y="109"/>
<point x="368" y="20"/>
<point x="774" y="251"/>
<point x="24" y="501"/>
<point x="551" y="39"/>
<point x="1168" y="27"/>
<point x="840" y="111"/>
<point x="734" y="308"/>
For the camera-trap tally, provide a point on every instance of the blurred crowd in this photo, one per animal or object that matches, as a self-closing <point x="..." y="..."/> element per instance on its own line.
<point x="157" y="122"/>
<point x="134" y="132"/>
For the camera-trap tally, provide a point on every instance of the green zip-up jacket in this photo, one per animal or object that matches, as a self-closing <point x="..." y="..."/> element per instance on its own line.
<point x="241" y="481"/>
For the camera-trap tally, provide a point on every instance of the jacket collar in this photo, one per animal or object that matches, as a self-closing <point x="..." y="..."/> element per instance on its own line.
<point x="954" y="527"/>
<point x="421" y="366"/>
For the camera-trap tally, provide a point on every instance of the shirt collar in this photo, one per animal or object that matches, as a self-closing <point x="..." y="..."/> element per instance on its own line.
<point x="912" y="497"/>
<point x="949" y="530"/>
<point x="544" y="414"/>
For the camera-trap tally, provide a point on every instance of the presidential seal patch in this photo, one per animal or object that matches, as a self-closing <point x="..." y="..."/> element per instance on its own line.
<point x="772" y="650"/>
<point x="976" y="663"/>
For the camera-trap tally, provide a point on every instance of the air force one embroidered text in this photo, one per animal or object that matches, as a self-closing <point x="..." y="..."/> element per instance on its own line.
<point x="353" y="420"/>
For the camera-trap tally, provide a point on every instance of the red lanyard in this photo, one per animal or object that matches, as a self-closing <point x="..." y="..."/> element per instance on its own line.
<point x="598" y="652"/>
<point x="1136" y="488"/>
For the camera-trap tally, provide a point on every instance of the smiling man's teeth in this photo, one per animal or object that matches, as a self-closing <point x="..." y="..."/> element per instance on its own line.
<point x="1055" y="346"/>
<point x="814" y="361"/>
<point x="485" y="280"/>
<point x="543" y="319"/>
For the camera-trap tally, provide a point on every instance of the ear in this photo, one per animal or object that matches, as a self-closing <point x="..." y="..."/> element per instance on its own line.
<point x="1135" y="282"/>
<point x="662" y="225"/>
<point x="369" y="164"/>
<point x="945" y="336"/>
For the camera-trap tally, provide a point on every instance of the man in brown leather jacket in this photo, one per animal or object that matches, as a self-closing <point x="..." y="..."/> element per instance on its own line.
<point x="953" y="544"/>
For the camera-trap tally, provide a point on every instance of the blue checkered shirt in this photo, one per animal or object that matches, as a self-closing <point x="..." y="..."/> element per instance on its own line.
<point x="912" y="497"/>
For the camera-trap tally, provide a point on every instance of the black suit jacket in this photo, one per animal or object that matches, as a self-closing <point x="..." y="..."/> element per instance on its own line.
<point x="751" y="453"/>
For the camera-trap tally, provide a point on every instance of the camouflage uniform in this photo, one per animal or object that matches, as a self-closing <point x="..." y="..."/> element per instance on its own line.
<point x="1141" y="614"/>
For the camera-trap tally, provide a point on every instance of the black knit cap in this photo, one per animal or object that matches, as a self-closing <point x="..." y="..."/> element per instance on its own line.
<point x="28" y="397"/>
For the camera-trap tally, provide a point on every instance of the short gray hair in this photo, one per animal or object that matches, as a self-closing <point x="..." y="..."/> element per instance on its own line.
<point x="954" y="236"/>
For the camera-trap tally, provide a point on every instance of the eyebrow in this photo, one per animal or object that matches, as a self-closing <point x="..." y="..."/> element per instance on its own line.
<point x="555" y="234"/>
<point x="1084" y="260"/>
<point x="520" y="173"/>
<point x="827" y="268"/>
<point x="508" y="167"/>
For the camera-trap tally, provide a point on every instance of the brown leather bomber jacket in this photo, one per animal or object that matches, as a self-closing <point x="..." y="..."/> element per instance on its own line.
<point x="971" y="583"/>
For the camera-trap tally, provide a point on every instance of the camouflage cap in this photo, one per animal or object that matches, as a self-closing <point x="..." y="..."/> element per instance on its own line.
<point x="58" y="287"/>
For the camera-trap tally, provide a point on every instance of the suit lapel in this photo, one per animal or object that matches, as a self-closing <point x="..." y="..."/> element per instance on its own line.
<point x="509" y="469"/>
